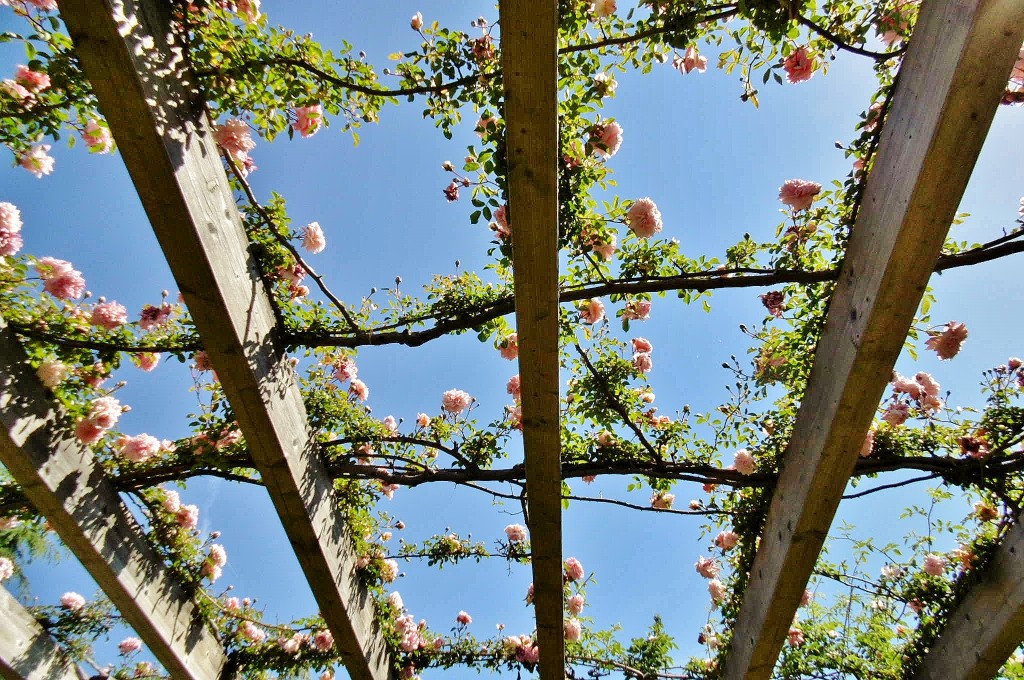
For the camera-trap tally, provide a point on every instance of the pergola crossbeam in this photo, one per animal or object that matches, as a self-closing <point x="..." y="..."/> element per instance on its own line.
<point x="156" y="116"/>
<point x="982" y="632"/>
<point x="26" y="650"/>
<point x="66" y="484"/>
<point x="529" y="33"/>
<point x="949" y="87"/>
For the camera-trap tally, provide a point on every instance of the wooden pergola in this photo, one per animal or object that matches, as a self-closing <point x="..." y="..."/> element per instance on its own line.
<point x="948" y="90"/>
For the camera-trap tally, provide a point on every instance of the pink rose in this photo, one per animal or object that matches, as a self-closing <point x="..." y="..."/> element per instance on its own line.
<point x="572" y="629"/>
<point x="323" y="641"/>
<point x="934" y="564"/>
<point x="706" y="567"/>
<point x="637" y="310"/>
<point x="211" y="571"/>
<point x="97" y="137"/>
<point x="11" y="243"/>
<point x="691" y="60"/>
<point x="642" y="362"/>
<point x="806" y="598"/>
<point x="235" y="138"/>
<point x="799" y="66"/>
<point x="416" y="23"/>
<point x="774" y="301"/>
<point x="799" y="193"/>
<point x="34" y="81"/>
<point x="592" y="311"/>
<point x="642" y="345"/>
<point x="188" y="516"/>
<point x="869" y="443"/>
<point x="744" y="462"/>
<point x="455" y="401"/>
<point x="896" y="413"/>
<point x="6" y="568"/>
<point x="904" y="385"/>
<point x="218" y="555"/>
<point x="606" y="139"/>
<point x="603" y="8"/>
<point x="60" y="279"/>
<point x="129" y="645"/>
<point x="573" y="569"/>
<point x="109" y="315"/>
<point x="605" y="249"/>
<point x="662" y="500"/>
<point x="16" y="91"/>
<point x="929" y="385"/>
<point x="359" y="390"/>
<point x="486" y="125"/>
<point x="308" y="120"/>
<point x="147" y="361"/>
<point x="947" y="344"/>
<point x="795" y="638"/>
<point x="52" y="373"/>
<point x="105" y="411"/>
<point x="313" y="238"/>
<point x="516" y="533"/>
<point x="644" y="218"/>
<point x="500" y="225"/>
<point x="391" y="424"/>
<point x="509" y="347"/>
<point x="464" y="618"/>
<point x="423" y="420"/>
<point x="514" y="387"/>
<point x="576" y="603"/>
<point x="172" y="501"/>
<point x="140" y="448"/>
<point x="10" y="217"/>
<point x="251" y="632"/>
<point x="72" y="601"/>
<point x="717" y="590"/>
<point x="727" y="540"/>
<point x="151" y="317"/>
<point x="249" y="10"/>
<point x="345" y="369"/>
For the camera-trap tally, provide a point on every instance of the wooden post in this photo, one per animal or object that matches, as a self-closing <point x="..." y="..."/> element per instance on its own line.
<point x="529" y="34"/>
<point x="154" y="111"/>
<point x="26" y="650"/>
<point x="988" y="625"/>
<point x="65" y="483"/>
<point x="949" y="87"/>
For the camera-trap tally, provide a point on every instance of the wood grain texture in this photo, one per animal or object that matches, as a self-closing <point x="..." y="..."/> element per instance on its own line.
<point x="156" y="118"/>
<point x="986" y="628"/>
<point x="66" y="485"/>
<point x="949" y="87"/>
<point x="26" y="650"/>
<point x="529" y="32"/>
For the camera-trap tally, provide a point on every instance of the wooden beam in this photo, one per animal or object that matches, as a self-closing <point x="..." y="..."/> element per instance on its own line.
<point x="985" y="629"/>
<point x="165" y="138"/>
<point x="949" y="87"/>
<point x="64" y="482"/>
<point x="529" y="57"/>
<point x="26" y="650"/>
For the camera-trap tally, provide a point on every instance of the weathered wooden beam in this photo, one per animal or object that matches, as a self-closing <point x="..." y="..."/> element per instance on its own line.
<point x="529" y="57"/>
<point x="156" y="117"/>
<point x="985" y="629"/>
<point x="26" y="650"/>
<point x="64" y="482"/>
<point x="949" y="86"/>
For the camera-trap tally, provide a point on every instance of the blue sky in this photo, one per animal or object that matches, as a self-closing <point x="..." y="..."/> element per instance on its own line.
<point x="712" y="164"/>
